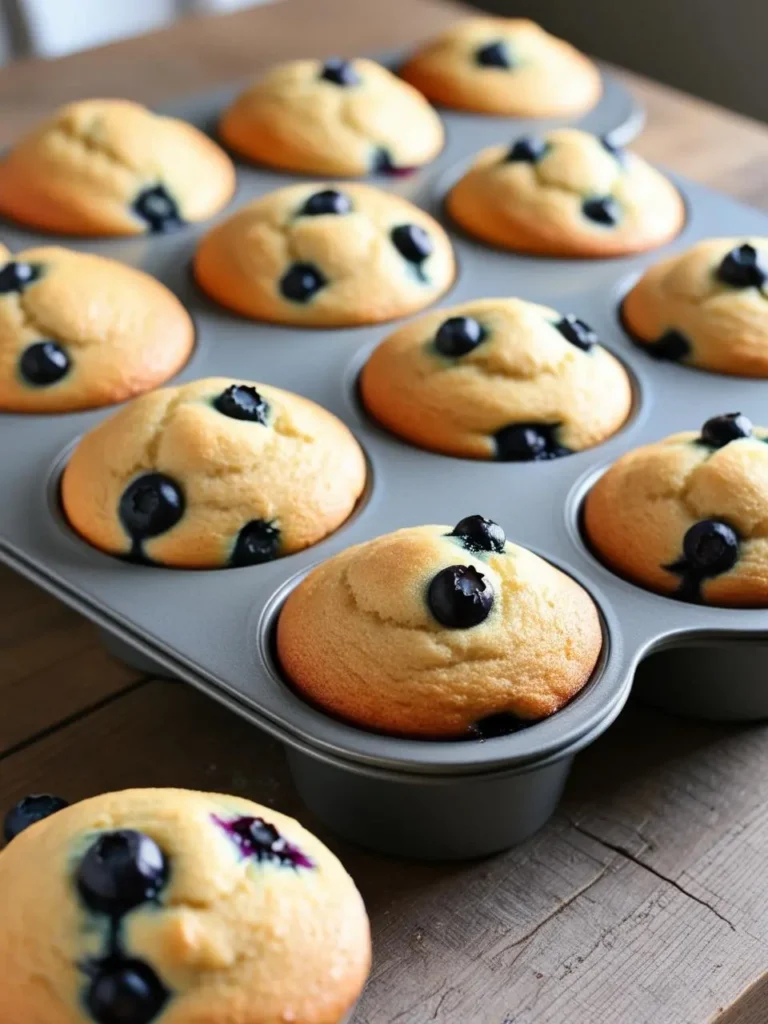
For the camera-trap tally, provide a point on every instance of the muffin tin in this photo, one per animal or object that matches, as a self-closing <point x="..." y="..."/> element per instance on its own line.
<point x="214" y="629"/>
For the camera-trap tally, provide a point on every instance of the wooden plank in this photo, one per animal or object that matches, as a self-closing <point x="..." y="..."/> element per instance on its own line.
<point x="564" y="928"/>
<point x="51" y="662"/>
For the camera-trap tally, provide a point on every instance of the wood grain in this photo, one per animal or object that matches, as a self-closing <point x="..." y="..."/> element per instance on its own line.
<point x="643" y="901"/>
<point x="52" y="665"/>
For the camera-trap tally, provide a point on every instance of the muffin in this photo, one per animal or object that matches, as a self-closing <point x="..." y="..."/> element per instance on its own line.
<point x="79" y="331"/>
<point x="345" y="118"/>
<point x="440" y="633"/>
<point x="110" y="167"/>
<point x="166" y="905"/>
<point x="497" y="379"/>
<point x="687" y="516"/>
<point x="507" y="66"/>
<point x="212" y="474"/>
<point x="321" y="256"/>
<point x="566" y="193"/>
<point x="705" y="307"/>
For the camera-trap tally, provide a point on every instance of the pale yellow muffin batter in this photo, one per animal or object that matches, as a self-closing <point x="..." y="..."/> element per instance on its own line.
<point x="439" y="632"/>
<point x="497" y="379"/>
<point x="566" y="193"/>
<point x="215" y="473"/>
<point x="112" y="167"/>
<point x="177" y="907"/>
<point x="339" y="118"/>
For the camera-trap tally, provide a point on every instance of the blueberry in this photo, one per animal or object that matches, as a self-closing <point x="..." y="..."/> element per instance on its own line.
<point x="710" y="547"/>
<point x="412" y="242"/>
<point x="502" y="723"/>
<point x="527" y="149"/>
<point x="120" y="871"/>
<point x="257" y="839"/>
<point x="384" y="164"/>
<point x="611" y="147"/>
<point x="29" y="810"/>
<point x="720" y="430"/>
<point x="528" y="442"/>
<point x="672" y="346"/>
<point x="480" y="534"/>
<point x="125" y="992"/>
<point x="44" y="363"/>
<point x="602" y="210"/>
<point x="460" y="597"/>
<point x="301" y="282"/>
<point x="327" y="201"/>
<point x="242" y="402"/>
<point x="577" y="332"/>
<point x="257" y="542"/>
<point x="340" y="72"/>
<point x="742" y="267"/>
<point x="150" y="505"/>
<point x="493" y="55"/>
<point x="15" y="276"/>
<point x="158" y="209"/>
<point x="458" y="335"/>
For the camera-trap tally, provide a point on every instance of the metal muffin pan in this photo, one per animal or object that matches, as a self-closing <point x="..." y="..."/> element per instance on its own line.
<point x="214" y="628"/>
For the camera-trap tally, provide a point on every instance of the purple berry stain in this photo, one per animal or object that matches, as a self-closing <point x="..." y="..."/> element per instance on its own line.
<point x="257" y="839"/>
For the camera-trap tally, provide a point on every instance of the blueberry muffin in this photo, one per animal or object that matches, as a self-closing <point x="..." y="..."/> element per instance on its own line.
<point x="507" y="66"/>
<point x="436" y="632"/>
<point x="687" y="516"/>
<point x="110" y="167"/>
<point x="345" y="118"/>
<point x="79" y="331"/>
<point x="497" y="379"/>
<point x="706" y="307"/>
<point x="211" y="474"/>
<point x="566" y="193"/>
<point x="164" y="906"/>
<point x="326" y="256"/>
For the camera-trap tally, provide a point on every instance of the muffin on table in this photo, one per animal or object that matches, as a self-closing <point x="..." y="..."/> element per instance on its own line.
<point x="79" y="331"/>
<point x="705" y="307"/>
<point x="507" y="66"/>
<point x="497" y="379"/>
<point x="345" y="118"/>
<point x="326" y="256"/>
<point x="211" y="474"/>
<point x="172" y="906"/>
<point x="566" y="193"/>
<point x="112" y="167"/>
<point x="439" y="632"/>
<point x="686" y="516"/>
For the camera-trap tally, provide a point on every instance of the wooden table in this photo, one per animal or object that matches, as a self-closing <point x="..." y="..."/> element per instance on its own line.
<point x="644" y="901"/>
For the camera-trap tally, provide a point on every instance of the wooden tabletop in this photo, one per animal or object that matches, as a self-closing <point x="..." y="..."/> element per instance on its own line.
<point x="643" y="901"/>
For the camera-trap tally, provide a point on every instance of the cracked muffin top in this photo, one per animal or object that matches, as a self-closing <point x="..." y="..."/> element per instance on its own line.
<point x="497" y="379"/>
<point x="687" y="517"/>
<point x="212" y="474"/>
<point x="706" y="307"/>
<point x="326" y="256"/>
<point x="439" y="632"/>
<point x="111" y="167"/>
<point x="507" y="66"/>
<point x="566" y="193"/>
<point x="166" y="906"/>
<point x="79" y="331"/>
<point x="346" y="118"/>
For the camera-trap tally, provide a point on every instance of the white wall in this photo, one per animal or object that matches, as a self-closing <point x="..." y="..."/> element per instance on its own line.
<point x="57" y="27"/>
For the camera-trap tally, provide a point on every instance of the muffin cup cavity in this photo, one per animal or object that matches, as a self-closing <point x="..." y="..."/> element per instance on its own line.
<point x="714" y="679"/>
<point x="600" y="697"/>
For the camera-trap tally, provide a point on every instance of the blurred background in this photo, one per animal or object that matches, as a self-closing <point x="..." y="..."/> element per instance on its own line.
<point x="712" y="48"/>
